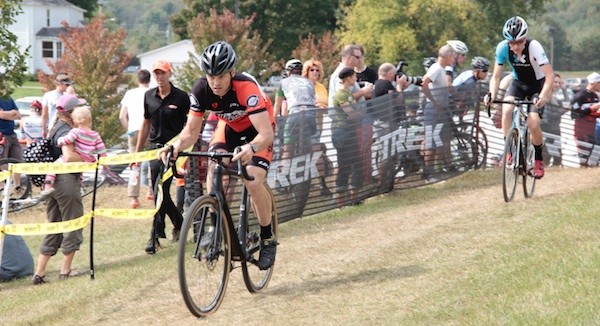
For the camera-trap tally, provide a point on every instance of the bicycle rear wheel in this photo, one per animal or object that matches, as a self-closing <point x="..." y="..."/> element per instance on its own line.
<point x="463" y="151"/>
<point x="203" y="257"/>
<point x="510" y="165"/>
<point x="529" y="161"/>
<point x="481" y="148"/>
<point x="25" y="182"/>
<point x="254" y="278"/>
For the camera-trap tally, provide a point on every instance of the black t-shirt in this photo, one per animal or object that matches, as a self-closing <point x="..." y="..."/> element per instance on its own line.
<point x="367" y="75"/>
<point x="168" y="115"/>
<point x="382" y="87"/>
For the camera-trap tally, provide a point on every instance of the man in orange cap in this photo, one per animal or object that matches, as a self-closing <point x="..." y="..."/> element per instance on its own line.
<point x="165" y="114"/>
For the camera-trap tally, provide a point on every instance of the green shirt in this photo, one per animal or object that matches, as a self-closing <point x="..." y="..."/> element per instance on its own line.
<point x="338" y="116"/>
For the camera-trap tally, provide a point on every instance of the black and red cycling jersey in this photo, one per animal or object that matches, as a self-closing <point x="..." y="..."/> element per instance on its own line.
<point x="243" y="98"/>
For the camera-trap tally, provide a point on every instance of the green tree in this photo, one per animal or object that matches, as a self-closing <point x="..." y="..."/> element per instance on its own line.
<point x="283" y="21"/>
<point x="89" y="5"/>
<point x="412" y="29"/>
<point x="12" y="61"/>
<point x="323" y="49"/>
<point x="94" y="58"/>
<point x="252" y="55"/>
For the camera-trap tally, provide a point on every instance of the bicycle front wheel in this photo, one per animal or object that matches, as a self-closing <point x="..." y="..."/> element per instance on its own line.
<point x="510" y="165"/>
<point x="255" y="278"/>
<point x="204" y="257"/>
<point x="529" y="161"/>
<point x="24" y="184"/>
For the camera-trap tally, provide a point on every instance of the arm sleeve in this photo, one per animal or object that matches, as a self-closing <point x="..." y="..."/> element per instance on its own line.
<point x="68" y="138"/>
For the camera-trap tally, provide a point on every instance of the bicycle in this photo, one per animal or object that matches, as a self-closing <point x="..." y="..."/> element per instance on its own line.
<point x="519" y="146"/>
<point x="210" y="243"/>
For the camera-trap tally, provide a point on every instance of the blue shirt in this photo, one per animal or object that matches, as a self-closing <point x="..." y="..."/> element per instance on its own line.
<point x="7" y="127"/>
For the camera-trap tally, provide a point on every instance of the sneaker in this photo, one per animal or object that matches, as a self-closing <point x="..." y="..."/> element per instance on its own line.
<point x="268" y="249"/>
<point x="151" y="248"/>
<point x="135" y="203"/>
<point x="36" y="280"/>
<point x="538" y="169"/>
<point x="175" y="238"/>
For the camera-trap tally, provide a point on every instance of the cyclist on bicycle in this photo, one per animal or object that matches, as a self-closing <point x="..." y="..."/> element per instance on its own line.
<point x="533" y="75"/>
<point x="245" y="113"/>
<point x="480" y="67"/>
<point x="299" y="93"/>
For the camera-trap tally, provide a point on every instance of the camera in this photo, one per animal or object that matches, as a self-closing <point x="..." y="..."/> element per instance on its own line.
<point x="400" y="72"/>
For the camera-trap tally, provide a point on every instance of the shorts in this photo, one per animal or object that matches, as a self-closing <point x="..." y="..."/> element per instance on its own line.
<point x="521" y="91"/>
<point x="300" y="125"/>
<point x="227" y="139"/>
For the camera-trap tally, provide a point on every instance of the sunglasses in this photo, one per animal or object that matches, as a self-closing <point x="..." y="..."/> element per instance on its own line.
<point x="317" y="70"/>
<point x="516" y="42"/>
<point x="356" y="56"/>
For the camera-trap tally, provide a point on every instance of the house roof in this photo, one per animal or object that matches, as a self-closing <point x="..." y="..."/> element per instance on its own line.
<point x="57" y="3"/>
<point x="51" y="32"/>
<point x="182" y="42"/>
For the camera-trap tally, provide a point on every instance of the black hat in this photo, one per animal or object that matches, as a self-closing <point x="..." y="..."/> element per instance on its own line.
<point x="346" y="72"/>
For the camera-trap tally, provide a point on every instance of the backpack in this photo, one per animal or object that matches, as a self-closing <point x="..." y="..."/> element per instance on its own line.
<point x="39" y="152"/>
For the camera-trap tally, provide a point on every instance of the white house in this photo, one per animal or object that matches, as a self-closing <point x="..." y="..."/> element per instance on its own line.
<point x="38" y="28"/>
<point x="177" y="54"/>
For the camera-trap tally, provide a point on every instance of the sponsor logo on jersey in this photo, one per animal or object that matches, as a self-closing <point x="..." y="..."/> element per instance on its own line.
<point x="252" y="101"/>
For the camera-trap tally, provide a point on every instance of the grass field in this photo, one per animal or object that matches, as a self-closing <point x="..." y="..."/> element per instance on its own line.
<point x="451" y="253"/>
<point x="28" y="89"/>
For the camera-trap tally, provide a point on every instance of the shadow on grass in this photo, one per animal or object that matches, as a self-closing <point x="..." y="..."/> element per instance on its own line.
<point x="374" y="276"/>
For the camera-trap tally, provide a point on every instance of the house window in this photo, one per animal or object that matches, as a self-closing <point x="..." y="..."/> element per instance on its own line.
<point x="59" y="49"/>
<point x="52" y="49"/>
<point x="47" y="17"/>
<point x="47" y="49"/>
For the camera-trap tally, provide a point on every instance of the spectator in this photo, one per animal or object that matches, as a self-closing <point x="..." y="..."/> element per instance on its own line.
<point x="344" y="137"/>
<point x="31" y="127"/>
<point x="49" y="100"/>
<point x="436" y="109"/>
<point x="86" y="142"/>
<point x="9" y="112"/>
<point x="364" y="74"/>
<point x="551" y="122"/>
<point x="585" y="110"/>
<point x="131" y="117"/>
<point x="17" y="261"/>
<point x="65" y="203"/>
<point x="387" y="83"/>
<point x="351" y="56"/>
<point x="165" y="114"/>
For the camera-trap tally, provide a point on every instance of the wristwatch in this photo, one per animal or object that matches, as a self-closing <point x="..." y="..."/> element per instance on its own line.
<point x="254" y="148"/>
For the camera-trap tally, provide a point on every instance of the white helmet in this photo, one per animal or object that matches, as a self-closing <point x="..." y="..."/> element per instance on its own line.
<point x="458" y="46"/>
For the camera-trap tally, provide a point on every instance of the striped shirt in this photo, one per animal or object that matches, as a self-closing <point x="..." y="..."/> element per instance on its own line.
<point x="86" y="142"/>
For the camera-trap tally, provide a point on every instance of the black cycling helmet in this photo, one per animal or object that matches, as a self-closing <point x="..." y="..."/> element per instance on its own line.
<point x="480" y="63"/>
<point x="515" y="29"/>
<point x="428" y="61"/>
<point x="218" y="58"/>
<point x="294" y="66"/>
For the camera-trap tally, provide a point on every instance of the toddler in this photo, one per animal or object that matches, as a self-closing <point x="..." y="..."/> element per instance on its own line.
<point x="86" y="142"/>
<point x="31" y="127"/>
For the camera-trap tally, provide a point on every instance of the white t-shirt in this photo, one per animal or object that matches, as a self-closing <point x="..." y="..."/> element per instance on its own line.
<point x="133" y="100"/>
<point x="437" y="74"/>
<point x="32" y="126"/>
<point x="49" y="99"/>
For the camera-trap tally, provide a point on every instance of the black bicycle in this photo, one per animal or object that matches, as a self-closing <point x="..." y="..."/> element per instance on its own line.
<point x="211" y="244"/>
<point x="518" y="156"/>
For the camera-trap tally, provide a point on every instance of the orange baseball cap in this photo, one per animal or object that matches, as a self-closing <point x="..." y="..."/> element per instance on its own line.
<point x="161" y="65"/>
